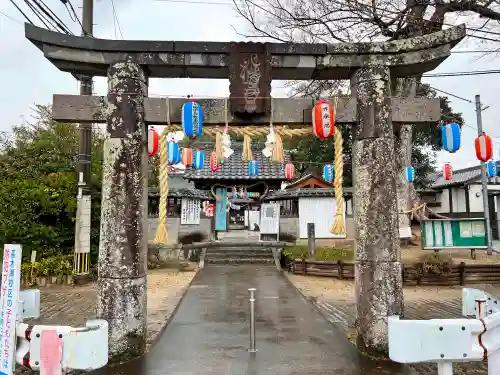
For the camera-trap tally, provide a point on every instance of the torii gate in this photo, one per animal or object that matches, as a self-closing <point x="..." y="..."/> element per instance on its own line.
<point x="127" y="111"/>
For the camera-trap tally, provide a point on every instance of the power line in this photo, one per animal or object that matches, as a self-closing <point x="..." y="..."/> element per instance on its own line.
<point x="11" y="18"/>
<point x="116" y="21"/>
<point x="44" y="14"/>
<point x="76" y="18"/>
<point x="20" y="11"/>
<point x="40" y="16"/>
<point x="50" y="14"/>
<point x="55" y="16"/>
<point x="462" y="74"/>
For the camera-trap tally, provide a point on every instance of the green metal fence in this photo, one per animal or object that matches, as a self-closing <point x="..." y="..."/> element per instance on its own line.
<point x="454" y="233"/>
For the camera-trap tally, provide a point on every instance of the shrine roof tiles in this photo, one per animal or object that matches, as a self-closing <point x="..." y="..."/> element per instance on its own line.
<point x="236" y="169"/>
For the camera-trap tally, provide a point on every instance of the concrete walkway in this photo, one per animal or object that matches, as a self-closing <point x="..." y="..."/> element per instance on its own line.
<point x="209" y="333"/>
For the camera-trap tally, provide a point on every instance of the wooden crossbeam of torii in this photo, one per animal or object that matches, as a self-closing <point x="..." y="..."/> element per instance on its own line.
<point x="285" y="111"/>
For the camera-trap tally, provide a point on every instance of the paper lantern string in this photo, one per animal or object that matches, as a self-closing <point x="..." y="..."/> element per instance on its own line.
<point x="214" y="186"/>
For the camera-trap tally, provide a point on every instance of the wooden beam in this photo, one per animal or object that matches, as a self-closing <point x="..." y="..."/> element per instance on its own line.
<point x="286" y="111"/>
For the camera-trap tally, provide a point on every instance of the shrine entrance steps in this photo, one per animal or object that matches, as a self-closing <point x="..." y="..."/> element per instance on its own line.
<point x="242" y="252"/>
<point x="238" y="235"/>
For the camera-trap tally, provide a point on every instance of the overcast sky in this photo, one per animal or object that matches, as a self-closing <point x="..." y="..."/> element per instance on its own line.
<point x="28" y="78"/>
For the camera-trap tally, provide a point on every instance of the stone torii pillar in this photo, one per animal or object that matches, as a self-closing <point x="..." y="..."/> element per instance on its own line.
<point x="372" y="110"/>
<point x="378" y="281"/>
<point x="122" y="283"/>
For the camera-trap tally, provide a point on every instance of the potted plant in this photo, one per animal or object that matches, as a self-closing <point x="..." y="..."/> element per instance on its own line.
<point x="26" y="270"/>
<point x="61" y="270"/>
<point x="71" y="277"/>
<point x="40" y="273"/>
<point x="53" y="265"/>
<point x="66" y="272"/>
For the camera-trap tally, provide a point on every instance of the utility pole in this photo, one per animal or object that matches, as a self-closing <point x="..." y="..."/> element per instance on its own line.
<point x="84" y="202"/>
<point x="484" y="179"/>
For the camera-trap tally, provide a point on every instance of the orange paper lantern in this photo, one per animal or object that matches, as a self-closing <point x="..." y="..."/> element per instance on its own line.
<point x="187" y="156"/>
<point x="323" y="120"/>
<point x="484" y="147"/>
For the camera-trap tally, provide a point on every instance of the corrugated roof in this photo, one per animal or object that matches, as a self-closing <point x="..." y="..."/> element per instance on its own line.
<point x="236" y="169"/>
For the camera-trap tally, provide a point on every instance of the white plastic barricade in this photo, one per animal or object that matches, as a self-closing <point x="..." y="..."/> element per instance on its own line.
<point x="52" y="350"/>
<point x="444" y="341"/>
<point x="470" y="297"/>
<point x="82" y="348"/>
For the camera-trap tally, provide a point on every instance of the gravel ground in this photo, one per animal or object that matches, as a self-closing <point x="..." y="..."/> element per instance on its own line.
<point x="343" y="290"/>
<point x="165" y="289"/>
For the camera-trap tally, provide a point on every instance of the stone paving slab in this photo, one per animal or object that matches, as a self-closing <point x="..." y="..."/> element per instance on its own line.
<point x="209" y="333"/>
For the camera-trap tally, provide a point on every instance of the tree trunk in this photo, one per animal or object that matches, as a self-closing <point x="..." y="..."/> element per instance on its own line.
<point x="404" y="87"/>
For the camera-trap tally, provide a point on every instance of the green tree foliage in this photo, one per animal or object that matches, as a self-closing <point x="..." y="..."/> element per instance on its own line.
<point x="310" y="152"/>
<point x="38" y="185"/>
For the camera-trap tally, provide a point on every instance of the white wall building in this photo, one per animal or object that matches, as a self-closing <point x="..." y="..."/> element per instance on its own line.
<point x="462" y="196"/>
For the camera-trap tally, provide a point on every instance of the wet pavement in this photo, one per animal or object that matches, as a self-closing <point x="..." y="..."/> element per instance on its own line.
<point x="209" y="333"/>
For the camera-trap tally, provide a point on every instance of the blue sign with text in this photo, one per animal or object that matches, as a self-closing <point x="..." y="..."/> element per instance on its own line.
<point x="221" y="209"/>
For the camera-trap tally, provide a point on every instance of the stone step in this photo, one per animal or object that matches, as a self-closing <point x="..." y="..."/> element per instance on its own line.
<point x="233" y="261"/>
<point x="239" y="255"/>
<point x="240" y="248"/>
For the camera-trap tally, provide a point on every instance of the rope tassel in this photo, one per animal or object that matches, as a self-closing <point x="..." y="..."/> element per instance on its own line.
<point x="161" y="235"/>
<point x="278" y="155"/>
<point x="247" y="148"/>
<point x="338" y="227"/>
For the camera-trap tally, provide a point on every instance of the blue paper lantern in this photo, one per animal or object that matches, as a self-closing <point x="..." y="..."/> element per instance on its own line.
<point x="450" y="137"/>
<point x="410" y="174"/>
<point x="328" y="173"/>
<point x="492" y="168"/>
<point x="198" y="159"/>
<point x="173" y="152"/>
<point x="192" y="119"/>
<point x="253" y="168"/>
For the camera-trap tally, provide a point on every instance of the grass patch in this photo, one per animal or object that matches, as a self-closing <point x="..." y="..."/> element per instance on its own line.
<point x="435" y="263"/>
<point x="322" y="253"/>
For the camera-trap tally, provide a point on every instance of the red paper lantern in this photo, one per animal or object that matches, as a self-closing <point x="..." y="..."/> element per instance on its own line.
<point x="484" y="147"/>
<point x="214" y="162"/>
<point x="289" y="171"/>
<point x="447" y="172"/>
<point x="187" y="156"/>
<point x="153" y="141"/>
<point x="323" y="120"/>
